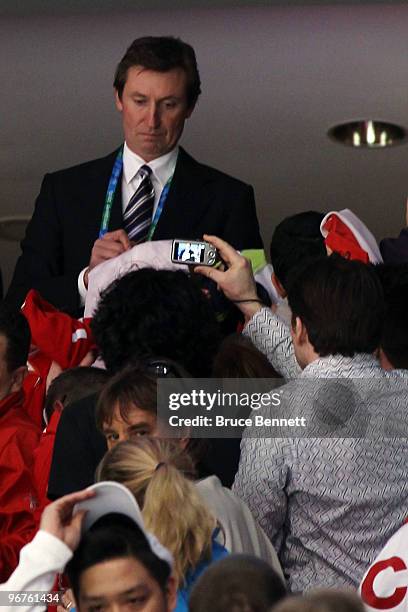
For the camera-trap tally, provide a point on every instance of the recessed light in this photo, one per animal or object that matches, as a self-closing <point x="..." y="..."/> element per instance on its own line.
<point x="368" y="134"/>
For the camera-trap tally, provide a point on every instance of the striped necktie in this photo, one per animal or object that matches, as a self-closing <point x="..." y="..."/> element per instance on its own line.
<point x="138" y="215"/>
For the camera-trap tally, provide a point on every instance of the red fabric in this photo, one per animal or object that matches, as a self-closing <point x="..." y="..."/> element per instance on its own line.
<point x="34" y="386"/>
<point x="340" y="239"/>
<point x="56" y="337"/>
<point x="19" y="436"/>
<point x="42" y="462"/>
<point x="56" y="334"/>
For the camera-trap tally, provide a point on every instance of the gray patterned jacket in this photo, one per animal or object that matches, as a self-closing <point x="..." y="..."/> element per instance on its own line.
<point x="329" y="496"/>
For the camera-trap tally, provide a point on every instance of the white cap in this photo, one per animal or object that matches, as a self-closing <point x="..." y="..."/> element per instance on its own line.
<point x="113" y="497"/>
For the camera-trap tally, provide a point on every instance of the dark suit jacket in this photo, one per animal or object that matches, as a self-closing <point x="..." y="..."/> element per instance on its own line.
<point x="68" y="212"/>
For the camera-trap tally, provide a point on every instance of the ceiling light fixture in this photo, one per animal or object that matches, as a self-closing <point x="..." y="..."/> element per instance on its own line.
<point x="368" y="134"/>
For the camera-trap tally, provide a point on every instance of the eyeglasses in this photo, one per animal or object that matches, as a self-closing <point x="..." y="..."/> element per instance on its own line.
<point x="162" y="369"/>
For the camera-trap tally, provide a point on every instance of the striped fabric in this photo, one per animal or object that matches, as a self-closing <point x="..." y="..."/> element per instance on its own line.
<point x="137" y="217"/>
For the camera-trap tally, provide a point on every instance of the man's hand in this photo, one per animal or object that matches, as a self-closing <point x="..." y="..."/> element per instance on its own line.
<point x="237" y="282"/>
<point x="110" y="245"/>
<point x="58" y="519"/>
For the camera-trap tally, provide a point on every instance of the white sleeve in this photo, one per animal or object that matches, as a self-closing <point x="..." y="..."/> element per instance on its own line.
<point x="82" y="290"/>
<point x="272" y="337"/>
<point x="40" y="560"/>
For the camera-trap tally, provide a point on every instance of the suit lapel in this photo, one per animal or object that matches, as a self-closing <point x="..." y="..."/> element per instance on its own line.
<point x="185" y="202"/>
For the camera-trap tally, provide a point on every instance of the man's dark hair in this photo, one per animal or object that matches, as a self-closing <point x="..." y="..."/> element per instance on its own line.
<point x="238" y="583"/>
<point x="296" y="239"/>
<point x="14" y="327"/>
<point x="394" y="335"/>
<point x="72" y="385"/>
<point x="136" y="385"/>
<point x="156" y="312"/>
<point x="160" y="53"/>
<point x="341" y="304"/>
<point x="114" y="536"/>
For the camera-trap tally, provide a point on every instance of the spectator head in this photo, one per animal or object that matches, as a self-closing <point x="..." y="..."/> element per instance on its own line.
<point x="239" y="358"/>
<point x="115" y="567"/>
<point x="160" y="54"/>
<point x="322" y="601"/>
<point x="14" y="346"/>
<point x="71" y="386"/>
<point x="158" y="474"/>
<point x="337" y="309"/>
<point x="156" y="312"/>
<point x="239" y="583"/>
<point x="393" y="353"/>
<point x="295" y="240"/>
<point x="127" y="405"/>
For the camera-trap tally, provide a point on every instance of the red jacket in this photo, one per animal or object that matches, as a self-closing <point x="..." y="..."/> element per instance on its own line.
<point x="56" y="337"/>
<point x="19" y="436"/>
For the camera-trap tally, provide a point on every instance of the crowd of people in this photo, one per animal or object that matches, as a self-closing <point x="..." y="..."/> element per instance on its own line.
<point x="102" y="506"/>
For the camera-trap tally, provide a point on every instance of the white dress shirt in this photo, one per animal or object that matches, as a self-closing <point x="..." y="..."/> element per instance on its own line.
<point x="162" y="170"/>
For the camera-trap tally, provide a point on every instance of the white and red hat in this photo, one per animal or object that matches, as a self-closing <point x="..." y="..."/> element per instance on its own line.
<point x="346" y="234"/>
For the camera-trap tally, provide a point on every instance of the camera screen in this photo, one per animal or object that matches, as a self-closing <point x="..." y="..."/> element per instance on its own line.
<point x="192" y="252"/>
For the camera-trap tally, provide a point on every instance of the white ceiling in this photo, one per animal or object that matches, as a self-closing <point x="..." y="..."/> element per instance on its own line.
<point x="275" y="78"/>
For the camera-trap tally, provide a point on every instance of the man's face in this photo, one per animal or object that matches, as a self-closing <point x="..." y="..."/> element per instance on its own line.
<point x="122" y="585"/>
<point x="139" y="423"/>
<point x="154" y="109"/>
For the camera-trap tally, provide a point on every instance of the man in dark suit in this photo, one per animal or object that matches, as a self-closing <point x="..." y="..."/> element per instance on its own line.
<point x="84" y="214"/>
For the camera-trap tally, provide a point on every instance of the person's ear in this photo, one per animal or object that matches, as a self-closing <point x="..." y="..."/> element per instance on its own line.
<point x="17" y="378"/>
<point x="299" y="332"/>
<point x="278" y="285"/>
<point x="118" y="101"/>
<point x="171" y="593"/>
<point x="384" y="361"/>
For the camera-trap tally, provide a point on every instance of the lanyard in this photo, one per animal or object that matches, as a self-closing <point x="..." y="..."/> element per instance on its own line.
<point x="110" y="194"/>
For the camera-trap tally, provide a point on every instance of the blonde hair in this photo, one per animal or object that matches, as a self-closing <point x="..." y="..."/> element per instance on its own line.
<point x="157" y="473"/>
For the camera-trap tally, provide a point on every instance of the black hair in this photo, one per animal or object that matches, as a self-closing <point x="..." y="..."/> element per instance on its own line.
<point x="14" y="327"/>
<point x="294" y="240"/>
<point x="341" y="304"/>
<point x="156" y="312"/>
<point x="160" y="53"/>
<point x="72" y="385"/>
<point x="115" y="536"/>
<point x="392" y="277"/>
<point x="238" y="583"/>
<point x="394" y="335"/>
